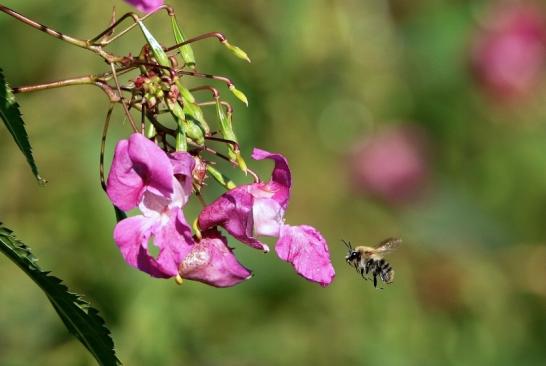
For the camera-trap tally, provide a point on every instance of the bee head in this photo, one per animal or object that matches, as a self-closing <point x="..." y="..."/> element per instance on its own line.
<point x="351" y="256"/>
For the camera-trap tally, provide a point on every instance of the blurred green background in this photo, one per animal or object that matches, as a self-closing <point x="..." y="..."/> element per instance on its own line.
<point x="325" y="76"/>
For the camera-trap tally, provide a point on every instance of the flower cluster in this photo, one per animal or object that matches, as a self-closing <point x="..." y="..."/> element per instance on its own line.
<point x="142" y="175"/>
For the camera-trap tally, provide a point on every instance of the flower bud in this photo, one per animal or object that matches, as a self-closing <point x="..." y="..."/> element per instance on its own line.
<point x="239" y="94"/>
<point x="236" y="51"/>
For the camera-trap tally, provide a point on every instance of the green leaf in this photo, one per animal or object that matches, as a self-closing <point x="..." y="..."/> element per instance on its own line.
<point x="79" y="317"/>
<point x="10" y="114"/>
<point x="226" y="129"/>
<point x="185" y="51"/>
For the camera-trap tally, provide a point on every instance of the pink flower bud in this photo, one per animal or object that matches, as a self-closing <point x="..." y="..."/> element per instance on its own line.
<point x="146" y="6"/>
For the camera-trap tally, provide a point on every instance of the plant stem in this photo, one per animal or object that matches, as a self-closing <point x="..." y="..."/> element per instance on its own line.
<point x="63" y="37"/>
<point x="97" y="80"/>
<point x="102" y="146"/>
<point x="97" y="39"/>
<point x="43" y="28"/>
<point x="122" y="101"/>
<point x="83" y="80"/>
<point x="206" y="76"/>
<point x="218" y="35"/>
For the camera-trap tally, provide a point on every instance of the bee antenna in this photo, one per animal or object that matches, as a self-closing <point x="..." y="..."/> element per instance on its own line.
<point x="347" y="244"/>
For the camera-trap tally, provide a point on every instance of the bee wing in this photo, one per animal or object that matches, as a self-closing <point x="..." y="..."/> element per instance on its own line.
<point x="388" y="245"/>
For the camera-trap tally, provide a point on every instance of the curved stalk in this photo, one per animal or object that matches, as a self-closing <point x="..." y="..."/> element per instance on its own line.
<point x="102" y="146"/>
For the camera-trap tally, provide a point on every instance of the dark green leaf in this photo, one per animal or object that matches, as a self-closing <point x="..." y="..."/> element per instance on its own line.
<point x="80" y="319"/>
<point x="10" y="114"/>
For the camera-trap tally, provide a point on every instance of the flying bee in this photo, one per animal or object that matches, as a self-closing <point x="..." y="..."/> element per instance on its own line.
<point x="368" y="260"/>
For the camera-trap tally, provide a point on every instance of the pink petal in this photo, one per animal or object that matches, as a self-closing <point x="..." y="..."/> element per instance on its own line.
<point x="151" y="163"/>
<point x="268" y="217"/>
<point x="183" y="164"/>
<point x="211" y="261"/>
<point x="173" y="239"/>
<point x="281" y="178"/>
<point x="138" y="165"/>
<point x="306" y="249"/>
<point x="233" y="211"/>
<point x="124" y="186"/>
<point x="146" y="6"/>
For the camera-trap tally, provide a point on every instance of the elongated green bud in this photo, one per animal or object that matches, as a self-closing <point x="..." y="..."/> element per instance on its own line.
<point x="181" y="143"/>
<point x="236" y="51"/>
<point x="191" y="130"/>
<point x="239" y="94"/>
<point x="226" y="129"/>
<point x="157" y="50"/>
<point x="186" y="52"/>
<point x="221" y="178"/>
<point x="191" y="108"/>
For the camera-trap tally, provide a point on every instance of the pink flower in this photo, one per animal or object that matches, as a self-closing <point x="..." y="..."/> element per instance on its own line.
<point x="159" y="184"/>
<point x="211" y="261"/>
<point x="143" y="175"/>
<point x="509" y="55"/>
<point x="146" y="6"/>
<point x="258" y="209"/>
<point x="390" y="165"/>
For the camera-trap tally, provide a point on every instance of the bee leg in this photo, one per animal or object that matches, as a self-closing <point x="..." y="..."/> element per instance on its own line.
<point x="368" y="265"/>
<point x="377" y="272"/>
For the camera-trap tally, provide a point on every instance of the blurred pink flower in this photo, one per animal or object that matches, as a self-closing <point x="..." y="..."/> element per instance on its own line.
<point x="390" y="165"/>
<point x="509" y="55"/>
<point x="258" y="209"/>
<point x="146" y="6"/>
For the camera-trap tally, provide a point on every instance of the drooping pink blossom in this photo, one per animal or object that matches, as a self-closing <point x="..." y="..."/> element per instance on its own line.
<point x="211" y="261"/>
<point x="146" y="6"/>
<point x="258" y="209"/>
<point x="509" y="54"/>
<point x="390" y="165"/>
<point x="143" y="175"/>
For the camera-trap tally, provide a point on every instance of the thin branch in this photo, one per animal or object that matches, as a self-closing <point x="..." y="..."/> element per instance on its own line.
<point x="125" y="108"/>
<point x="52" y="32"/>
<point x="229" y="108"/>
<point x="214" y="91"/>
<point x="82" y="80"/>
<point x="219" y="139"/>
<point x="63" y="37"/>
<point x="217" y="35"/>
<point x="135" y="18"/>
<point x="206" y="76"/>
